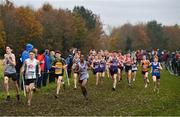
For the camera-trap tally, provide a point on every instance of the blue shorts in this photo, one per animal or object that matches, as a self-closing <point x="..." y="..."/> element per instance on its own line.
<point x="113" y="71"/>
<point x="29" y="81"/>
<point x="156" y="74"/>
<point x="102" y="69"/>
<point x="95" y="71"/>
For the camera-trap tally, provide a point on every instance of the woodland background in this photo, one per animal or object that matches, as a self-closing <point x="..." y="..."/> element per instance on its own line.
<point x="62" y="29"/>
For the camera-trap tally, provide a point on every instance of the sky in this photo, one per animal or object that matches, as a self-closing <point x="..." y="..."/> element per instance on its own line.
<point x="118" y="12"/>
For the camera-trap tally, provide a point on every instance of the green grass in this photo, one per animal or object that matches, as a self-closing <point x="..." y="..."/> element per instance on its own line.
<point x="102" y="101"/>
<point x="1" y="69"/>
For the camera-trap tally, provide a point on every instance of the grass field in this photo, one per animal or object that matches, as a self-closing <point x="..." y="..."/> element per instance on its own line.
<point x="102" y="100"/>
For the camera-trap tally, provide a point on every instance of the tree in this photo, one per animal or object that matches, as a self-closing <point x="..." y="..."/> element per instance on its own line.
<point x="173" y="35"/>
<point x="140" y="38"/>
<point x="47" y="16"/>
<point x="80" y="32"/>
<point x="27" y="27"/>
<point x="61" y="29"/>
<point x="2" y="37"/>
<point x="58" y="26"/>
<point x="156" y="34"/>
<point x="120" y="35"/>
<point x="128" y="44"/>
<point x="87" y="15"/>
<point x="93" y="26"/>
<point x="20" y="25"/>
<point x="7" y="10"/>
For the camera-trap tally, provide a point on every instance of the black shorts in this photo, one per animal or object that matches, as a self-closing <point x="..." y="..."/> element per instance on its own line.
<point x="75" y="72"/>
<point x="144" y="72"/>
<point x="157" y="77"/>
<point x="134" y="70"/>
<point x="29" y="81"/>
<point x="128" y="68"/>
<point x="13" y="76"/>
<point x="57" y="75"/>
<point x="80" y="81"/>
<point x="121" y="68"/>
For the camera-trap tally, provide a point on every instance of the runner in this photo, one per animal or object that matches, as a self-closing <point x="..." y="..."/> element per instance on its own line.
<point x="114" y="69"/>
<point x="102" y="68"/>
<point x="120" y="67"/>
<point x="134" y="69"/>
<point x="25" y="55"/>
<point x="83" y="75"/>
<point x="145" y="68"/>
<point x="156" y="67"/>
<point x="107" y="58"/>
<point x="95" y="65"/>
<point x="75" y="71"/>
<point x="128" y="68"/>
<point x="10" y="72"/>
<point x="30" y="70"/>
<point x="59" y="65"/>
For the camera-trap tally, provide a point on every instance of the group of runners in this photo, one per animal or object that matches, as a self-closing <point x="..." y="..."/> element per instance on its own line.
<point x="37" y="68"/>
<point x="114" y="63"/>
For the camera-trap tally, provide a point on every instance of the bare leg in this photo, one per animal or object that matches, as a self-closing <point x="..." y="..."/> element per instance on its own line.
<point x="134" y="75"/>
<point x="75" y="80"/>
<point x="6" y="85"/>
<point x="28" y="91"/>
<point x="119" y="75"/>
<point x="145" y="79"/>
<point x="129" y="77"/>
<point x="97" y="78"/>
<point x="114" y="81"/>
<point x="102" y="77"/>
<point x="17" y="87"/>
<point x="58" y="85"/>
<point x="31" y="86"/>
<point x="108" y="74"/>
<point x="154" y="82"/>
<point x="83" y="88"/>
<point x="17" y="90"/>
<point x="158" y="84"/>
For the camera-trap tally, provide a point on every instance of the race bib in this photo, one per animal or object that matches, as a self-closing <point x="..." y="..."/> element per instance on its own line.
<point x="31" y="67"/>
<point x="101" y="65"/>
<point x="96" y="67"/>
<point x="156" y="71"/>
<point x="31" y="74"/>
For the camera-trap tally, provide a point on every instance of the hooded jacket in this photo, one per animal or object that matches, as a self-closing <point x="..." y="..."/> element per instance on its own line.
<point x="25" y="54"/>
